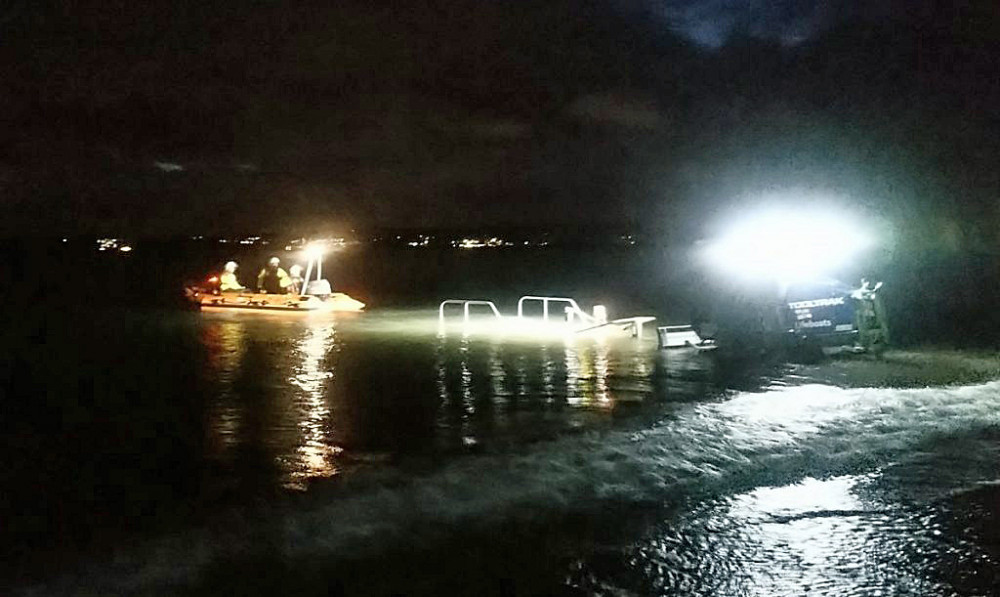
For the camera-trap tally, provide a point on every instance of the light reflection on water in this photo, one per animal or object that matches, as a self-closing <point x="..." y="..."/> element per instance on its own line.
<point x="316" y="448"/>
<point x="296" y="429"/>
<point x="813" y="537"/>
<point x="225" y="342"/>
<point x="803" y="489"/>
<point x="885" y="529"/>
<point x="294" y="397"/>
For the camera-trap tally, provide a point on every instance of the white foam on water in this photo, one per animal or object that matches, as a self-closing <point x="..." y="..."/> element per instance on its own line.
<point x="719" y="448"/>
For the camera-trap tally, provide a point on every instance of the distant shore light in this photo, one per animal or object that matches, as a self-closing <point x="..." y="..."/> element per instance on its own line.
<point x="169" y="166"/>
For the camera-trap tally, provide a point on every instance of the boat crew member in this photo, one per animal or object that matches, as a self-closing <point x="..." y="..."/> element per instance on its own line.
<point x="295" y="273"/>
<point x="228" y="281"/>
<point x="272" y="278"/>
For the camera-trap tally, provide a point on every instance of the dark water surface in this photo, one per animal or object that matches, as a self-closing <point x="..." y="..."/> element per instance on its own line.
<point x="153" y="450"/>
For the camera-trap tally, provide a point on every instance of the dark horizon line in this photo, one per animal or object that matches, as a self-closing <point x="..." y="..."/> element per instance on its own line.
<point x="359" y="231"/>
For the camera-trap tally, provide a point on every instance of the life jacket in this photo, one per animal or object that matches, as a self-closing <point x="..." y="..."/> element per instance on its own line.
<point x="275" y="281"/>
<point x="228" y="281"/>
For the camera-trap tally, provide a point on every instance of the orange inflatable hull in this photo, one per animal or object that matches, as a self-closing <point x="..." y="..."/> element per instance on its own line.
<point x="271" y="303"/>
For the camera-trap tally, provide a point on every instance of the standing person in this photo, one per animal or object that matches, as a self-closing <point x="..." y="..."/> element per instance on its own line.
<point x="272" y="279"/>
<point x="228" y="281"/>
<point x="295" y="273"/>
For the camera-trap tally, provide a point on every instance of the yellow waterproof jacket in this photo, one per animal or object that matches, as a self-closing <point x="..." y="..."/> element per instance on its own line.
<point x="228" y="281"/>
<point x="275" y="281"/>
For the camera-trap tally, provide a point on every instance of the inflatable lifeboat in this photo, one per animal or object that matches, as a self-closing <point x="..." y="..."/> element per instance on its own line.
<point x="317" y="296"/>
<point x="287" y="303"/>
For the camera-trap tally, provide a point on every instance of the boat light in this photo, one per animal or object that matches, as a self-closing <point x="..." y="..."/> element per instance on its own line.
<point x="314" y="251"/>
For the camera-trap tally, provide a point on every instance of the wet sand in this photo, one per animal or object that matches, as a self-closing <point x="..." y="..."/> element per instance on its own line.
<point x="912" y="368"/>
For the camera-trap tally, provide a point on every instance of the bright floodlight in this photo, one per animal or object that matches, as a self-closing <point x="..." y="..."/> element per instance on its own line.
<point x="314" y="251"/>
<point x="788" y="247"/>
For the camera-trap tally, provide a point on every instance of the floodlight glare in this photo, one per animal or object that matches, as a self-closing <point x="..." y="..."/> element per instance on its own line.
<point x="314" y="251"/>
<point x="788" y="247"/>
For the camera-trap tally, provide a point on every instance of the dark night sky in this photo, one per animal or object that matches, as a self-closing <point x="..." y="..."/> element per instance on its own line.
<point x="200" y="116"/>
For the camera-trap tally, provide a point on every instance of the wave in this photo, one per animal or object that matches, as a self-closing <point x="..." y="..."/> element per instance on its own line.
<point x="747" y="440"/>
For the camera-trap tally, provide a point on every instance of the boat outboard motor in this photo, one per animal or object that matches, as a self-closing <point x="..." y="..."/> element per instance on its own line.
<point x="320" y="288"/>
<point x="314" y="283"/>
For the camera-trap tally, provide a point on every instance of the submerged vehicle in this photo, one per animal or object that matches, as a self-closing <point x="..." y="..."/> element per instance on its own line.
<point x="316" y="295"/>
<point x="559" y="316"/>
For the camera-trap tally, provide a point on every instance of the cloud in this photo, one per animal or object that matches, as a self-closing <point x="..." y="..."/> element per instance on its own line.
<point x="711" y="22"/>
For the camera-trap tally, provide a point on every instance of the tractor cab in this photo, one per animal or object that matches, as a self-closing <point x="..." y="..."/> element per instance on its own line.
<point x="831" y="313"/>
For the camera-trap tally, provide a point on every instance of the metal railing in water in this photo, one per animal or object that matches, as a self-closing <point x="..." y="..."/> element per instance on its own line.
<point x="465" y="308"/>
<point x="571" y="310"/>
